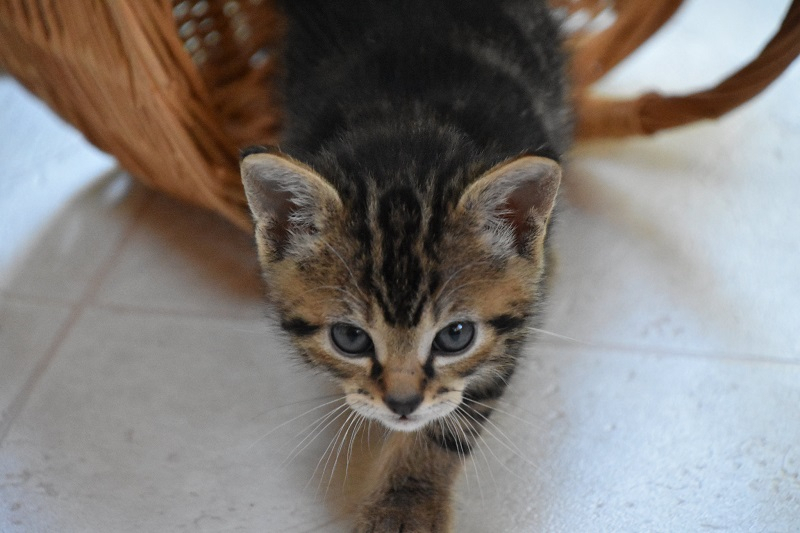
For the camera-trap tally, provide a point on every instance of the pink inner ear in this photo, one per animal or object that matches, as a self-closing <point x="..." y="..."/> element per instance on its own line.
<point x="526" y="207"/>
<point x="282" y="209"/>
<point x="517" y="217"/>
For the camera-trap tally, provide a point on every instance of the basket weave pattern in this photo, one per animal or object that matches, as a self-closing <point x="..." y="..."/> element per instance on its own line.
<point x="171" y="89"/>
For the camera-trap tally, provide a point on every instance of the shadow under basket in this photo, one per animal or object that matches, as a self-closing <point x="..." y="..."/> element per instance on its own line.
<point x="174" y="88"/>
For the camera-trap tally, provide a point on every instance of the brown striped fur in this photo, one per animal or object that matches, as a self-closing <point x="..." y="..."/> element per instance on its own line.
<point x="489" y="275"/>
<point x="412" y="190"/>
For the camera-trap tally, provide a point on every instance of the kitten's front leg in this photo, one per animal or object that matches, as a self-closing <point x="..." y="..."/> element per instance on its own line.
<point x="411" y="492"/>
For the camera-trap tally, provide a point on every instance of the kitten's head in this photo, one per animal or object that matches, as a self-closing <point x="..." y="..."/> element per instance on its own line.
<point x="413" y="292"/>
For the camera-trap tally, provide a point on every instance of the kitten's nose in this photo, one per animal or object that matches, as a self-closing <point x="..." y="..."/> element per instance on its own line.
<point x="403" y="405"/>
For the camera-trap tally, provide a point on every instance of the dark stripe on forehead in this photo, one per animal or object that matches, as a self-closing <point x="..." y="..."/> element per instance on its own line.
<point x="359" y="210"/>
<point x="443" y="197"/>
<point x="400" y="223"/>
<point x="417" y="314"/>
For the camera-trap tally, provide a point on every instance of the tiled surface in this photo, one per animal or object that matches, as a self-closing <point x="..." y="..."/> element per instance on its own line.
<point x="141" y="390"/>
<point x="181" y="259"/>
<point x="28" y="333"/>
<point x="625" y="442"/>
<point x="65" y="258"/>
<point x="158" y="430"/>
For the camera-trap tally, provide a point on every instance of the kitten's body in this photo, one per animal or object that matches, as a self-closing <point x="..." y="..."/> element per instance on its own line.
<point x="411" y="214"/>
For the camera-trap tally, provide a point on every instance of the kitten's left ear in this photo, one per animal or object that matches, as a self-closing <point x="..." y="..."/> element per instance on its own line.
<point x="513" y="202"/>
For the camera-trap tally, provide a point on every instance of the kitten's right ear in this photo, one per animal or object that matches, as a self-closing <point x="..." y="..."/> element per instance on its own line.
<point x="513" y="202"/>
<point x="289" y="201"/>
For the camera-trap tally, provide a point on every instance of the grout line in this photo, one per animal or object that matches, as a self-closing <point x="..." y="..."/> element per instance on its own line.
<point x="33" y="299"/>
<point x="76" y="312"/>
<point x="631" y="350"/>
<point x="133" y="309"/>
<point x="178" y="313"/>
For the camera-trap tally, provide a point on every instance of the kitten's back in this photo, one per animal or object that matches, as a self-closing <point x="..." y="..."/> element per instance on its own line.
<point x="492" y="70"/>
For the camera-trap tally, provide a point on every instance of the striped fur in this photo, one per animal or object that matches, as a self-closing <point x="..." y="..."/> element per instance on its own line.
<point x="413" y="188"/>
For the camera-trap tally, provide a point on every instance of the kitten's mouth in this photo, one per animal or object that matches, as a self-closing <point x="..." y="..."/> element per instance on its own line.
<point x="410" y="422"/>
<point x="405" y="422"/>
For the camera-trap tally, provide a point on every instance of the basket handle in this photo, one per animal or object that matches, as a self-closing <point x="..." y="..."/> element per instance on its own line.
<point x="652" y="112"/>
<point x="593" y="55"/>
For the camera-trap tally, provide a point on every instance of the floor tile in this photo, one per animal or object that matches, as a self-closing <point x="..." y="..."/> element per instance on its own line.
<point x="662" y="395"/>
<point x="136" y="427"/>
<point x="688" y="240"/>
<point x="613" y="442"/>
<point x="27" y="333"/>
<point x="186" y="260"/>
<point x="77" y="242"/>
<point x="152" y="423"/>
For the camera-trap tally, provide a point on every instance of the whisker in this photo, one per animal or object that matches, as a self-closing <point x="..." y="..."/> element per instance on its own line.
<point x="361" y="420"/>
<point x="485" y="444"/>
<point x="271" y="431"/>
<point x="560" y="336"/>
<point x="475" y="444"/>
<point x="369" y="436"/>
<point x="335" y="396"/>
<point x="443" y="428"/>
<point x="488" y="420"/>
<point x="316" y="431"/>
<point x="352" y="421"/>
<point x="307" y="400"/>
<point x="368" y="420"/>
<point x="342" y="413"/>
<point x="514" y="406"/>
<point x="460" y="426"/>
<point x="329" y="453"/>
<point x="451" y="428"/>
<point x="491" y="450"/>
<point x="506" y="442"/>
<point x="503" y="412"/>
<point x="480" y="442"/>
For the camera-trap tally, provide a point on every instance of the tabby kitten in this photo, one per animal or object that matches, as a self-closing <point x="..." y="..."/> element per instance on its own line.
<point x="402" y="222"/>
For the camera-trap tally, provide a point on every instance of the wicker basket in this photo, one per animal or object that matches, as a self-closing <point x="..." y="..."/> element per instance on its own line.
<point x="174" y="88"/>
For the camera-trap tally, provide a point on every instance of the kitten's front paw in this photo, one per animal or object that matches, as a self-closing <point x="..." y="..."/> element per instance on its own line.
<point x="394" y="519"/>
<point x="383" y="523"/>
<point x="395" y="523"/>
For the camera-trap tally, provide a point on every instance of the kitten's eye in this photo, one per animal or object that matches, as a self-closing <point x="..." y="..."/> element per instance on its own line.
<point x="351" y="340"/>
<point x="454" y="337"/>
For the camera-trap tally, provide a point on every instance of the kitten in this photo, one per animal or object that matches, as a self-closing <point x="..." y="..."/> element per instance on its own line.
<point x="402" y="222"/>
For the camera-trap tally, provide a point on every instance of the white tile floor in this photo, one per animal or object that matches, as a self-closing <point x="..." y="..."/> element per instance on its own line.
<point x="141" y="390"/>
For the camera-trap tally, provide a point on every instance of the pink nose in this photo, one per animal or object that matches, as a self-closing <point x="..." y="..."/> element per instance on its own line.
<point x="403" y="405"/>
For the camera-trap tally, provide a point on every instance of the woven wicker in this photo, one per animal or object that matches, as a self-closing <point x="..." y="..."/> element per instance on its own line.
<point x="174" y="88"/>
